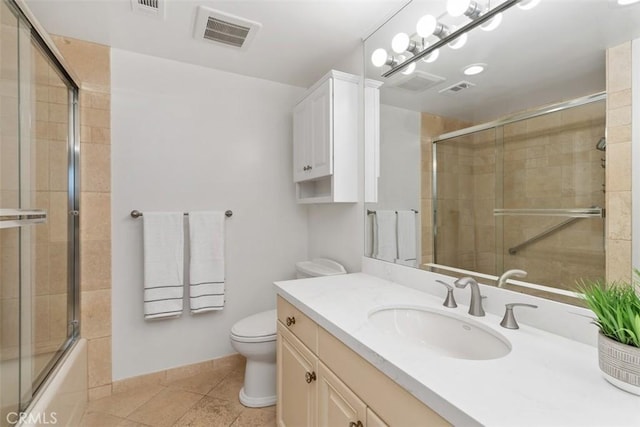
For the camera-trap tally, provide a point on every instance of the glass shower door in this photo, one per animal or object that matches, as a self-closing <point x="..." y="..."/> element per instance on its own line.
<point x="37" y="205"/>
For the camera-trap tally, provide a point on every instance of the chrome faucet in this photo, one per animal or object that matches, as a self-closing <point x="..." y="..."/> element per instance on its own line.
<point x="502" y="280"/>
<point x="475" y="306"/>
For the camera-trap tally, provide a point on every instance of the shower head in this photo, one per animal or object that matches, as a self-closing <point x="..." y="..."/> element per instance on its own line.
<point x="602" y="144"/>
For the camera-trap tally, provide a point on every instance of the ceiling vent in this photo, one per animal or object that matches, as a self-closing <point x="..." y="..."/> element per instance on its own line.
<point x="222" y="28"/>
<point x="457" y="88"/>
<point x="153" y="8"/>
<point x="418" y="81"/>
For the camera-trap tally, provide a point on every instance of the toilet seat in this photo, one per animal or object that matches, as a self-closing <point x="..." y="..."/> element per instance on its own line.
<point x="260" y="327"/>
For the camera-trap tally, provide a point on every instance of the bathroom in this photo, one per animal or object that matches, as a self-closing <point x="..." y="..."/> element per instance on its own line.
<point x="168" y="123"/>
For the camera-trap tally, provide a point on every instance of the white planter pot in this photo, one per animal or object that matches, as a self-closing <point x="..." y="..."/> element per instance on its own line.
<point x="620" y="364"/>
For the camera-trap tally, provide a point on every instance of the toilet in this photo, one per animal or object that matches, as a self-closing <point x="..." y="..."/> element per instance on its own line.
<point x="255" y="338"/>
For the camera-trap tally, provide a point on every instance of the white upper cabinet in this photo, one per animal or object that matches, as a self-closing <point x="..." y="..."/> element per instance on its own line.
<point x="325" y="141"/>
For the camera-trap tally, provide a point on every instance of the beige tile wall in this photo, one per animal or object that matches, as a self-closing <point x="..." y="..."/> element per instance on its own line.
<point x="618" y="197"/>
<point x="91" y="63"/>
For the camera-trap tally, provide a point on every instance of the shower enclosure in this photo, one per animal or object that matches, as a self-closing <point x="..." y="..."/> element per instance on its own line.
<point x="38" y="210"/>
<point x="525" y="192"/>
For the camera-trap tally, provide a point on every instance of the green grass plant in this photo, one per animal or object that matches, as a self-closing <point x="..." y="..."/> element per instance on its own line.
<point x="617" y="308"/>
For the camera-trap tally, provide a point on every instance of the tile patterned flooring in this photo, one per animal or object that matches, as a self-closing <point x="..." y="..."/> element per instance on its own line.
<point x="204" y="400"/>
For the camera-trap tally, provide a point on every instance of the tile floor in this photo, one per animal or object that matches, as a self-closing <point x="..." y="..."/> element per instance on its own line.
<point x="203" y="400"/>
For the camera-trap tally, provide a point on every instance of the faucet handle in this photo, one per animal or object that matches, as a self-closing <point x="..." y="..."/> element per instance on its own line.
<point x="509" y="320"/>
<point x="450" y="301"/>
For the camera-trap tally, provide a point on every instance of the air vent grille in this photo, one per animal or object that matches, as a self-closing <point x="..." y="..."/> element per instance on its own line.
<point x="456" y="88"/>
<point x="226" y="32"/>
<point x="222" y="28"/>
<point x="154" y="8"/>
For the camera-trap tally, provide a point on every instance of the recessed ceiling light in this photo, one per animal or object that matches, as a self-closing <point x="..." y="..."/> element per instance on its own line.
<point x="474" y="69"/>
<point x="627" y="2"/>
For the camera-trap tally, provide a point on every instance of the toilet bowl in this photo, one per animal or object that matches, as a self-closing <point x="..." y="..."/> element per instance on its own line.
<point x="255" y="338"/>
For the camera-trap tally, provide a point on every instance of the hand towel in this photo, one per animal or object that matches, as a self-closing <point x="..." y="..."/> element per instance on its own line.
<point x="206" y="267"/>
<point x="406" y="238"/>
<point x="163" y="264"/>
<point x="384" y="232"/>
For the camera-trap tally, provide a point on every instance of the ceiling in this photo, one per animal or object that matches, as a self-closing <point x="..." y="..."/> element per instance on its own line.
<point x="553" y="52"/>
<point x="300" y="40"/>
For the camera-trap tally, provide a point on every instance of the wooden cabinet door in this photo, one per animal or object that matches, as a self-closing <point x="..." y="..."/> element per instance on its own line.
<point x="337" y="404"/>
<point x="321" y="117"/>
<point x="297" y="382"/>
<point x="373" y="420"/>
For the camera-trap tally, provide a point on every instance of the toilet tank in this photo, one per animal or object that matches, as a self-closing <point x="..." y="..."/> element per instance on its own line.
<point x="318" y="267"/>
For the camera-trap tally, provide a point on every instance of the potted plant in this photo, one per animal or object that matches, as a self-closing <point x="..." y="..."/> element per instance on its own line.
<point x="617" y="310"/>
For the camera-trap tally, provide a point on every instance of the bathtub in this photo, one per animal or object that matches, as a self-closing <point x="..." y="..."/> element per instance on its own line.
<point x="63" y="397"/>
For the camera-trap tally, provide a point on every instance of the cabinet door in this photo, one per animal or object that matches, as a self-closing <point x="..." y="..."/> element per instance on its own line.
<point x="373" y="420"/>
<point x="301" y="141"/>
<point x="337" y="404"/>
<point x="297" y="382"/>
<point x="321" y="117"/>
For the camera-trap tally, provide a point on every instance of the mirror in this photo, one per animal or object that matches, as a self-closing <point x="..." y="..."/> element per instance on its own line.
<point x="507" y="168"/>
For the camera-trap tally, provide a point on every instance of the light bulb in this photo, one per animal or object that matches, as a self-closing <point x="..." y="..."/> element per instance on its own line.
<point x="400" y="42"/>
<point x="457" y="7"/>
<point x="627" y="2"/>
<point x="432" y="56"/>
<point x="459" y="42"/>
<point x="409" y="69"/>
<point x="528" y="4"/>
<point x="493" y="23"/>
<point x="379" y="57"/>
<point x="426" y="25"/>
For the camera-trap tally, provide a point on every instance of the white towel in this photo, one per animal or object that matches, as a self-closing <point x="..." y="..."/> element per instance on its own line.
<point x="206" y="268"/>
<point x="406" y="238"/>
<point x="384" y="236"/>
<point x="163" y="264"/>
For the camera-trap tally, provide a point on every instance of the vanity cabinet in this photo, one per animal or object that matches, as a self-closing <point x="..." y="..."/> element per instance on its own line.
<point x="325" y="141"/>
<point x="323" y="383"/>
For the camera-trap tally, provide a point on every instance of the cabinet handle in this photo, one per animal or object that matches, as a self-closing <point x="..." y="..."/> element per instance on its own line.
<point x="305" y="168"/>
<point x="310" y="376"/>
<point x="358" y="424"/>
<point x="291" y="321"/>
<point x="310" y="167"/>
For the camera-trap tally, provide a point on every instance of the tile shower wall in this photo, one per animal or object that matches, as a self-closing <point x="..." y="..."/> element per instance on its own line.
<point x="431" y="127"/>
<point x="91" y="63"/>
<point x="618" y="197"/>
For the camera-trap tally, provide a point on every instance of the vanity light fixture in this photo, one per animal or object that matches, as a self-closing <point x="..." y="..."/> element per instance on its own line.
<point x="428" y="25"/>
<point x="402" y="43"/>
<point x="380" y="57"/>
<point x="469" y="8"/>
<point x="474" y="69"/>
<point x="459" y="42"/>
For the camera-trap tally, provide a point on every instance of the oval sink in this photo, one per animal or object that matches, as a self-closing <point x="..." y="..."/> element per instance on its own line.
<point x="443" y="333"/>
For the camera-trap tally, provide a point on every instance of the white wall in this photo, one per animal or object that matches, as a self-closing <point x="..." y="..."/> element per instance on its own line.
<point x="191" y="138"/>
<point x="399" y="151"/>
<point x="336" y="231"/>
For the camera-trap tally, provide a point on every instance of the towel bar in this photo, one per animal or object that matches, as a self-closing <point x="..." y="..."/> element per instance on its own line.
<point x="138" y="214"/>
<point x="370" y="212"/>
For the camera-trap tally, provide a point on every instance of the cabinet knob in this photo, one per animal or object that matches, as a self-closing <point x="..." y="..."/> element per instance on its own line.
<point x="310" y="376"/>
<point x="358" y="424"/>
<point x="309" y="167"/>
<point x="305" y="168"/>
<point x="291" y="321"/>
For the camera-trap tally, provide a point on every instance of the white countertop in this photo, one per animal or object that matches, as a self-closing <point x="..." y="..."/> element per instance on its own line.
<point x="546" y="380"/>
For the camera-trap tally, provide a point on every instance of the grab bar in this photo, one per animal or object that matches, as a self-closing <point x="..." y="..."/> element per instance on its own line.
<point x="594" y="211"/>
<point x="557" y="227"/>
<point x="11" y="218"/>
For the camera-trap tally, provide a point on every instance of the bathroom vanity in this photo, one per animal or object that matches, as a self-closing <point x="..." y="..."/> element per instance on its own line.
<point x="337" y="367"/>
